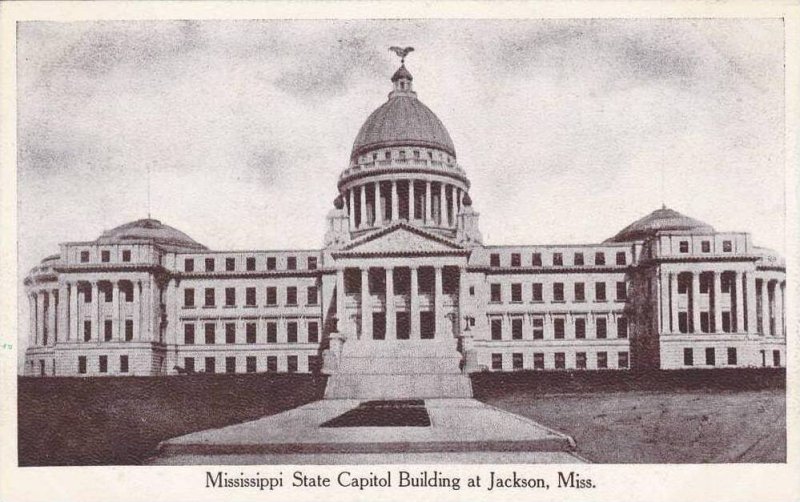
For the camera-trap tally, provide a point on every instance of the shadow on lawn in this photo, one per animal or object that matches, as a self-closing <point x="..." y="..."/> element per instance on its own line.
<point x="120" y="421"/>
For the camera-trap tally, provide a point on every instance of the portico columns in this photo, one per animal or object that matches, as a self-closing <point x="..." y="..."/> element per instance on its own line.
<point x="453" y="206"/>
<point x="366" y="304"/>
<point x="428" y="214"/>
<point x="778" y="309"/>
<point x="411" y="200"/>
<point x="31" y="320"/>
<point x="765" y="307"/>
<point x="352" y="209"/>
<point x="696" y="302"/>
<point x="51" y="316"/>
<point x="340" y="300"/>
<point x="391" y="316"/>
<point x="442" y="206"/>
<point x="437" y="301"/>
<point x="136" y="311"/>
<point x="115" y="317"/>
<point x="395" y="205"/>
<point x="673" y="311"/>
<point x="739" y="291"/>
<point x="378" y="205"/>
<point x="72" y="333"/>
<point x="717" y="303"/>
<point x="752" y="312"/>
<point x="39" y="317"/>
<point x="147" y="310"/>
<point x="415" y="331"/>
<point x="63" y="313"/>
<point x="363" y="207"/>
<point x="95" y="312"/>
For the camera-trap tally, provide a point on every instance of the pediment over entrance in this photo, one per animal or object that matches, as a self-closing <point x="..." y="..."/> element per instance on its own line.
<point x="402" y="238"/>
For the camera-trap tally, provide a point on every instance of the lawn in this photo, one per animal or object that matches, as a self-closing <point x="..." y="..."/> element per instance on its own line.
<point x="120" y="421"/>
<point x="694" y="418"/>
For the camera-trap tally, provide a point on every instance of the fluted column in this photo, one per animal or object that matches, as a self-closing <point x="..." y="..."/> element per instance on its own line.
<point x="378" y="205"/>
<point x="453" y="206"/>
<point x="411" y="200"/>
<point x="766" y="306"/>
<point x="428" y="213"/>
<point x="442" y="205"/>
<point x="31" y="319"/>
<point x="39" y="317"/>
<point x="438" y="299"/>
<point x="395" y="202"/>
<point x="673" y="309"/>
<point x="663" y="299"/>
<point x="695" y="302"/>
<point x="63" y="313"/>
<point x="752" y="311"/>
<point x="137" y="311"/>
<point x="116" y="332"/>
<point x="415" y="331"/>
<point x="739" y="301"/>
<point x="340" y="300"/>
<point x="352" y="209"/>
<point x="74" y="326"/>
<point x="366" y="305"/>
<point x="778" y="309"/>
<point x="147" y="310"/>
<point x="95" y="312"/>
<point x="363" y="207"/>
<point x="717" y="302"/>
<point x="51" y="316"/>
<point x="391" y="316"/>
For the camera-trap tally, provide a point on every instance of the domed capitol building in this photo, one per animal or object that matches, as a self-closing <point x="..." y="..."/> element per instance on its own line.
<point x="405" y="299"/>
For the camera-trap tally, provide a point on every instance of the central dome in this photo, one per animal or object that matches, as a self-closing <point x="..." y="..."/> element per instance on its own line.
<point x="660" y="220"/>
<point x="402" y="121"/>
<point x="151" y="230"/>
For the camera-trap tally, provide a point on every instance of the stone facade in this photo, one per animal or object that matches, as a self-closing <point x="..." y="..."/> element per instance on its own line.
<point x="404" y="294"/>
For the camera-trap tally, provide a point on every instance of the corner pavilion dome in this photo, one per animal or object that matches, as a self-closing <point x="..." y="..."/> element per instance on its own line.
<point x="663" y="219"/>
<point x="402" y="121"/>
<point x="148" y="229"/>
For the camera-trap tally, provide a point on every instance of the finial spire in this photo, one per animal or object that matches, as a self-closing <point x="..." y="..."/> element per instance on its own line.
<point x="401" y="52"/>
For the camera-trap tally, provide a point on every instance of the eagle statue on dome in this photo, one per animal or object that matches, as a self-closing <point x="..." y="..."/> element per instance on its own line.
<point x="401" y="52"/>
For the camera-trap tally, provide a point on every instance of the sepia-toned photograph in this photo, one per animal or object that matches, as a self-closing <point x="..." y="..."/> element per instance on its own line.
<point x="400" y="242"/>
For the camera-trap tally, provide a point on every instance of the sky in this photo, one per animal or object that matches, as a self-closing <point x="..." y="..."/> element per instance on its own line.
<point x="565" y="128"/>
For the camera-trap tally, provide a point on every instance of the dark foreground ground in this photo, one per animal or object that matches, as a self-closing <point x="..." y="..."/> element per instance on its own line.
<point x="685" y="416"/>
<point x="675" y="417"/>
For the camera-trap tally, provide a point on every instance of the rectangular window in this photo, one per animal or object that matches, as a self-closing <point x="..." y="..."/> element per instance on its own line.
<point x="87" y="331"/>
<point x="558" y="329"/>
<point x="516" y="329"/>
<point x="600" y="291"/>
<point x="704" y="322"/>
<point x="188" y="334"/>
<point x="209" y="264"/>
<point x="250" y="332"/>
<point x="313" y="332"/>
<point x="230" y="332"/>
<point x="251" y="364"/>
<point x="497" y="361"/>
<point x="230" y="365"/>
<point x="128" y="330"/>
<point x="516" y="260"/>
<point x="732" y="356"/>
<point x="536" y="259"/>
<point x="497" y="329"/>
<point x="688" y="356"/>
<point x="602" y="360"/>
<point x="209" y="297"/>
<point x="230" y="264"/>
<point x="272" y="332"/>
<point x="621" y="260"/>
<point x="558" y="259"/>
<point x="683" y="246"/>
<point x="727" y="246"/>
<point x="272" y="364"/>
<point x="123" y="364"/>
<point x="188" y="265"/>
<point x="291" y="295"/>
<point x="683" y="322"/>
<point x="272" y="296"/>
<point x="622" y="327"/>
<point x="580" y="360"/>
<point x="105" y="256"/>
<point x="776" y="358"/>
<point x="558" y="291"/>
<point x="188" y="364"/>
<point x="312" y="262"/>
<point x="311" y="295"/>
<point x="536" y="293"/>
<point x="705" y="246"/>
<point x="250" y="297"/>
<point x="211" y="365"/>
<point x="291" y="332"/>
<point x="126" y="255"/>
<point x="494" y="260"/>
<point x="210" y="333"/>
<point x="538" y="360"/>
<point x="710" y="356"/>
<point x="725" y="284"/>
<point x="107" y="328"/>
<point x="230" y="297"/>
<point x="108" y="295"/>
<point x="426" y="325"/>
<point x="580" y="328"/>
<point x="516" y="360"/>
<point x="495" y="291"/>
<point x="87" y="296"/>
<point x="560" y="360"/>
<point x="538" y="328"/>
<point x="683" y="285"/>
<point x="272" y="263"/>
<point x="600" y="327"/>
<point x="84" y="256"/>
<point x="622" y="291"/>
<point x="705" y="283"/>
<point x="516" y="292"/>
<point x="82" y="365"/>
<point x="600" y="258"/>
<point x="250" y="263"/>
<point x="188" y="297"/>
<point x="103" y="360"/>
<point x="726" y="322"/>
<point x="623" y="360"/>
<point x="578" y="259"/>
<point x="579" y="292"/>
<point x="291" y="364"/>
<point x="291" y="263"/>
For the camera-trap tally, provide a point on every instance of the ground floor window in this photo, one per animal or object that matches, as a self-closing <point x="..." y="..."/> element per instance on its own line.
<point x="560" y="360"/>
<point x="732" y="356"/>
<point x="230" y="365"/>
<point x="314" y="364"/>
<point x="251" y="364"/>
<point x="272" y="332"/>
<point x="188" y="364"/>
<point x="688" y="357"/>
<point x="291" y="364"/>
<point x="558" y="328"/>
<point x="313" y="332"/>
<point x="108" y="327"/>
<point x="538" y="328"/>
<point x="82" y="364"/>
<point x="87" y="331"/>
<point x="211" y="365"/>
<point x="538" y="360"/>
<point x="123" y="364"/>
<point x="776" y="357"/>
<point x="427" y="326"/>
<point x="128" y="330"/>
<point x="710" y="356"/>
<point x="378" y="326"/>
<point x="497" y="361"/>
<point x="497" y="329"/>
<point x="602" y="360"/>
<point x="103" y="362"/>
<point x="291" y="332"/>
<point x="402" y="325"/>
<point x="272" y="364"/>
<point x="623" y="360"/>
<point x="516" y="361"/>
<point x="516" y="329"/>
<point x="580" y="360"/>
<point x="41" y="367"/>
<point x="250" y="332"/>
<point x="230" y="332"/>
<point x="726" y="322"/>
